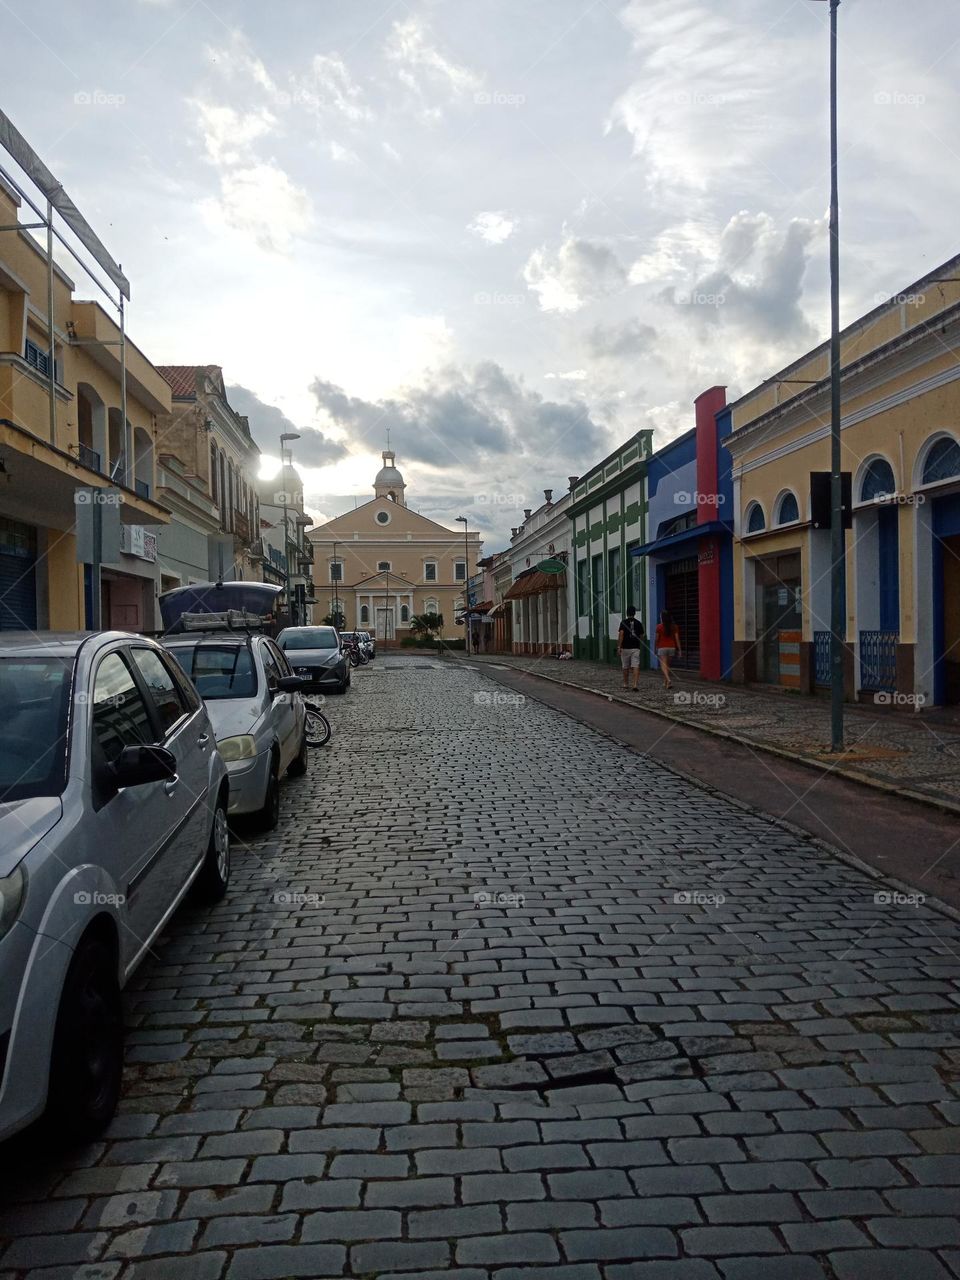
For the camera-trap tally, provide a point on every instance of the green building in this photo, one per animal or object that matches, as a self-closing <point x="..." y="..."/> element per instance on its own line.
<point x="609" y="515"/>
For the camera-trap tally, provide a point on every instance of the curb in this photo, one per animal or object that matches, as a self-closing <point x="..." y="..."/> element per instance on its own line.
<point x="851" y="859"/>
<point x="888" y="788"/>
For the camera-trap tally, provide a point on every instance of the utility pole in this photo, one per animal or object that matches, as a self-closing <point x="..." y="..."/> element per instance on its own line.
<point x="287" y="435"/>
<point x="466" y="579"/>
<point x="838" y="584"/>
<point x="335" y="569"/>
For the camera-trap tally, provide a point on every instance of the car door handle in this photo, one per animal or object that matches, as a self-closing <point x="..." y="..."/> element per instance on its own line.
<point x="203" y="739"/>
<point x="171" y="785"/>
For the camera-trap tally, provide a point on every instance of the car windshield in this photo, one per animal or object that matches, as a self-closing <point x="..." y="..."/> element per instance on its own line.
<point x="218" y="670"/>
<point x="34" y="695"/>
<point x="308" y="638"/>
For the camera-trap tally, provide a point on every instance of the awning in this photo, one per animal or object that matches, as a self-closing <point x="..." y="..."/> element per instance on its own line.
<point x="520" y="586"/>
<point x="498" y="610"/>
<point x="534" y="581"/>
<point x="659" y="545"/>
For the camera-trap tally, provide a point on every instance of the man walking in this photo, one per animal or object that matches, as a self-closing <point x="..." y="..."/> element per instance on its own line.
<point x="629" y="640"/>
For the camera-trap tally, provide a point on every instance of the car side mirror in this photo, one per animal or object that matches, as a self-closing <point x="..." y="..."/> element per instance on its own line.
<point x="139" y="765"/>
<point x="289" y="684"/>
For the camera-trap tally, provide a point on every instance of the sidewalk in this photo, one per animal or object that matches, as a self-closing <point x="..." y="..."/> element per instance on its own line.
<point x="906" y="754"/>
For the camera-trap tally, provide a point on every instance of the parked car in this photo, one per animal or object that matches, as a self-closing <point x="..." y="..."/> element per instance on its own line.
<point x="113" y="803"/>
<point x="254" y="703"/>
<point x="316" y="655"/>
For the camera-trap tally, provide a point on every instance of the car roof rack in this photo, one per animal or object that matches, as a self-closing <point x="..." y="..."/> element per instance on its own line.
<point x="229" y="620"/>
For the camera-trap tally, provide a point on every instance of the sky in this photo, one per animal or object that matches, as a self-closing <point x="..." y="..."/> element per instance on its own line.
<point x="514" y="232"/>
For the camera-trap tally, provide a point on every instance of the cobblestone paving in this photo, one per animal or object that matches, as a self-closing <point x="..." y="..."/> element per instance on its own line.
<point x="501" y="1000"/>
<point x="907" y="751"/>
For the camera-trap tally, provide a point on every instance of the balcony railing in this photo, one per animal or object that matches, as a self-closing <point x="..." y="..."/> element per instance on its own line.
<point x="88" y="457"/>
<point x="141" y="488"/>
<point x="878" y="660"/>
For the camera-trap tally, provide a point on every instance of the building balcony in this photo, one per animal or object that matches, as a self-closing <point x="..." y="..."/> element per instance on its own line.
<point x="90" y="458"/>
<point x="241" y="526"/>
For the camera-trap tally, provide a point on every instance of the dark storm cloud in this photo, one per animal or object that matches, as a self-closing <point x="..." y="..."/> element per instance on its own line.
<point x="268" y="423"/>
<point x="632" y="338"/>
<point x="466" y="417"/>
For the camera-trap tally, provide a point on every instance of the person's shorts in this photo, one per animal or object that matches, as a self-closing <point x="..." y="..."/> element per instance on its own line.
<point x="668" y="651"/>
<point x="629" y="658"/>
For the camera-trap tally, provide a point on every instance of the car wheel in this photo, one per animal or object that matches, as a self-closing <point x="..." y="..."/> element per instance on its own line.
<point x="214" y="876"/>
<point x="87" y="1060"/>
<point x="298" y="765"/>
<point x="268" y="817"/>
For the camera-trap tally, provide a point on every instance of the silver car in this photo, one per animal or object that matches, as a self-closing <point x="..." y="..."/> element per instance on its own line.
<point x="256" y="710"/>
<point x="316" y="655"/>
<point x="113" y="802"/>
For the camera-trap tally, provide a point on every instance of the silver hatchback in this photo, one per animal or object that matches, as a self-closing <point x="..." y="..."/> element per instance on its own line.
<point x="113" y="803"/>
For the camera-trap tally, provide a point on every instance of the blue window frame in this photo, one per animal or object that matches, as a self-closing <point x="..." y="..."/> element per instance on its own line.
<point x="788" y="510"/>
<point x="755" y="520"/>
<point x="889" y="550"/>
<point x="942" y="462"/>
<point x="878" y="481"/>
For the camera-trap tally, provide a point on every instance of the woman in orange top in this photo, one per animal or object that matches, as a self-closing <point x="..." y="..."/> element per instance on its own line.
<point x="667" y="644"/>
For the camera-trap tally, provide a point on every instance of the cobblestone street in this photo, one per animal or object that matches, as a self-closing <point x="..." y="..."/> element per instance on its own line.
<point x="502" y="1000"/>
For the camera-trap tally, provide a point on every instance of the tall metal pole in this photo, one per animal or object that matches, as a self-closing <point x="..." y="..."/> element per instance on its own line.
<point x="286" y="534"/>
<point x="838" y="591"/>
<point x="336" y="586"/>
<point x="51" y="370"/>
<point x="125" y="441"/>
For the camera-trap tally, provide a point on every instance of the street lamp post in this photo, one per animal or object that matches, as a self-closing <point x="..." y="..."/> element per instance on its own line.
<point x="287" y="435"/>
<point x="466" y="579"/>
<point x="335" y="571"/>
<point x="838" y="582"/>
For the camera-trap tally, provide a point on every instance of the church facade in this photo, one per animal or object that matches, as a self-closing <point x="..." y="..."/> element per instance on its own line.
<point x="382" y="564"/>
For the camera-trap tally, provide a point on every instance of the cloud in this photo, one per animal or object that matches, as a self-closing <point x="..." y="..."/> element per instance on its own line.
<point x="580" y="271"/>
<point x="263" y="202"/>
<point x="572" y="375"/>
<point x="631" y="338"/>
<point x="329" y="88"/>
<point x="268" y="423"/>
<point x="756" y="281"/>
<point x="492" y="226"/>
<point x="466" y="418"/>
<point x="430" y="78"/>
<point x="228" y="135"/>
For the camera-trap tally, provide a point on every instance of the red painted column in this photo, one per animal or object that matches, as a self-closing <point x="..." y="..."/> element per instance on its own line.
<point x="707" y="405"/>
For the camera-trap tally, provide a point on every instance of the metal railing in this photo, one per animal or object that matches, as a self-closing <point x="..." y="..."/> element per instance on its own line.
<point x="821" y="658"/>
<point x="878" y="660"/>
<point x="141" y="488"/>
<point x="88" y="457"/>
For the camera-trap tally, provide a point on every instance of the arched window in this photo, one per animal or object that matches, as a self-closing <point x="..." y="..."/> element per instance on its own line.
<point x="364" y="613"/>
<point x="755" y="521"/>
<point x="404" y="613"/>
<point x="878" y="481"/>
<point x="942" y="462"/>
<point x="430" y="606"/>
<point x="787" y="510"/>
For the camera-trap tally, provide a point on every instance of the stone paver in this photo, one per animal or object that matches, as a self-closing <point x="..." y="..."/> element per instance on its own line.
<point x="916" y="754"/>
<point x="555" y="1013"/>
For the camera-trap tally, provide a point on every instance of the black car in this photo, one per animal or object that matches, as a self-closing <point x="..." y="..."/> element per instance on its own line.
<point x="317" y="656"/>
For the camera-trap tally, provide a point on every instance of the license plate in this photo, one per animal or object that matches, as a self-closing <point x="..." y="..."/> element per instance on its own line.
<point x="303" y="671"/>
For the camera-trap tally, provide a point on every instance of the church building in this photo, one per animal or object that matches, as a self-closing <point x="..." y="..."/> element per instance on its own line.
<point x="381" y="564"/>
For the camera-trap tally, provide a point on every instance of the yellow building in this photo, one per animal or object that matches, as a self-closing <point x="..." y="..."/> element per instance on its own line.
<point x="901" y="447"/>
<point x="382" y="563"/>
<point x="61" y="428"/>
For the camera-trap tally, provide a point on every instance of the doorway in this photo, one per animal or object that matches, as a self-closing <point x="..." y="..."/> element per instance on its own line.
<point x="779" y="611"/>
<point x="681" y="599"/>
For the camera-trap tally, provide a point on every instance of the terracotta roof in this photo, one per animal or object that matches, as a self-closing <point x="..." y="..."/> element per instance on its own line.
<point x="183" y="377"/>
<point x="532" y="582"/>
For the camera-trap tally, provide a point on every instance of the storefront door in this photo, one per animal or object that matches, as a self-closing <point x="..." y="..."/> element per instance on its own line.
<point x="681" y="594"/>
<point x="779" y="619"/>
<point x="18" y="577"/>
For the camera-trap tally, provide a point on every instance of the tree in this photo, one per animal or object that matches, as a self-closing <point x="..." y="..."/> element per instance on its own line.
<point x="335" y="620"/>
<point x="427" y="626"/>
